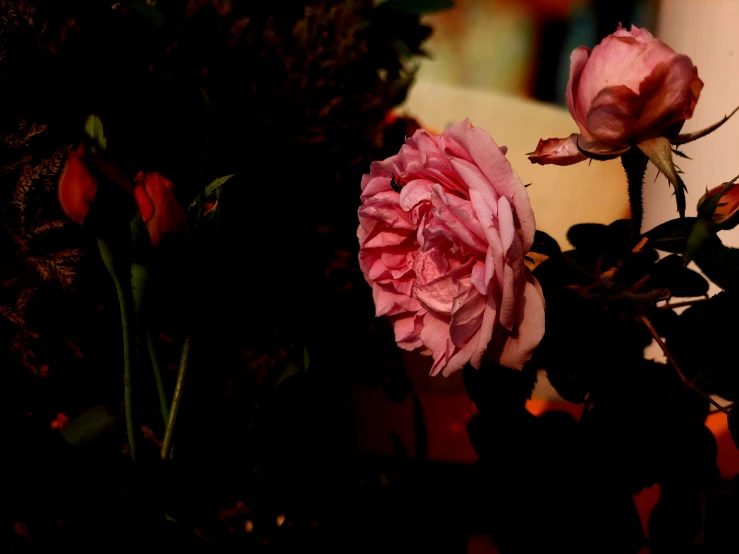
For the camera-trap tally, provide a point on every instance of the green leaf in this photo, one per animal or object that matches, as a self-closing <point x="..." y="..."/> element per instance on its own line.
<point x="214" y="187"/>
<point x="671" y="236"/>
<point x="546" y="245"/>
<point x="416" y="7"/>
<point x="289" y="370"/>
<point x="701" y="232"/>
<point x="94" y="130"/>
<point x="659" y="151"/>
<point x="306" y="358"/>
<point x="86" y="427"/>
<point x="139" y="287"/>
<point x="216" y="184"/>
<point x="146" y="11"/>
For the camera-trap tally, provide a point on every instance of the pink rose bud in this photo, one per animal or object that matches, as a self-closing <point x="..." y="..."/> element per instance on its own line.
<point x="158" y="206"/>
<point x="444" y="226"/>
<point x="632" y="87"/>
<point x="721" y="205"/>
<point x="77" y="187"/>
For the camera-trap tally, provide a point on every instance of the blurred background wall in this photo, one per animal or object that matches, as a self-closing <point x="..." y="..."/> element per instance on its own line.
<point x="522" y="47"/>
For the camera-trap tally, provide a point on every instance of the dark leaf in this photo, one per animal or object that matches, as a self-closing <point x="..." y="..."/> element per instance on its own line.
<point x="86" y="427"/>
<point x="703" y="344"/>
<point x="400" y="450"/>
<point x="671" y="236"/>
<point x="588" y="236"/>
<point x="671" y="273"/>
<point x="733" y="420"/>
<point x="419" y="428"/>
<point x="546" y="245"/>
<point x="146" y="11"/>
<point x="722" y="513"/>
<point x="675" y="521"/>
<point x="417" y="7"/>
<point x="720" y="263"/>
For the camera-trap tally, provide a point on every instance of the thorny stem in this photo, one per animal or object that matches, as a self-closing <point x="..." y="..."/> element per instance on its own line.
<point x="671" y="359"/>
<point x="176" y="399"/>
<point x="635" y="165"/>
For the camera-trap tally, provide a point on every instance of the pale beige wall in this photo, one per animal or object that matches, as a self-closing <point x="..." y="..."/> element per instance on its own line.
<point x="707" y="31"/>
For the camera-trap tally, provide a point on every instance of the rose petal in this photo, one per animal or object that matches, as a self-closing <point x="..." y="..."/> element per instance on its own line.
<point x="524" y="214"/>
<point x="415" y="192"/>
<point x="459" y="217"/>
<point x="619" y="116"/>
<point x="578" y="59"/>
<point x="486" y="331"/>
<point x="435" y="336"/>
<point x="386" y="237"/>
<point x="619" y="61"/>
<point x="461" y="357"/>
<point x="557" y="151"/>
<point x="389" y="302"/>
<point x="486" y="155"/>
<point x="506" y="225"/>
<point x="467" y="312"/>
<point x="519" y="346"/>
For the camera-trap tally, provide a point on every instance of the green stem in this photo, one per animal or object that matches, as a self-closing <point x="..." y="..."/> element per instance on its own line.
<point x="125" y="300"/>
<point x="635" y="165"/>
<point x="156" y="368"/>
<point x="176" y="400"/>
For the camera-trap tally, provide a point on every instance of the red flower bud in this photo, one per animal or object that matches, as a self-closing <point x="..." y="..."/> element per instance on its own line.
<point x="721" y="205"/>
<point x="77" y="186"/>
<point x="158" y="206"/>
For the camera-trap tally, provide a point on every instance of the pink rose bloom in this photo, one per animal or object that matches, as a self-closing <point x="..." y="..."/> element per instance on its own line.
<point x="632" y="87"/>
<point x="445" y="254"/>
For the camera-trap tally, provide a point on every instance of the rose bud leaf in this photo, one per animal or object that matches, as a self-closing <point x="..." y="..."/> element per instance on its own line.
<point x="695" y="135"/>
<point x="659" y="151"/>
